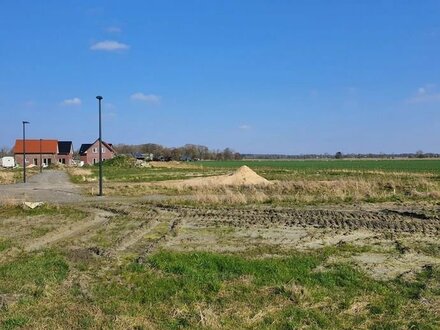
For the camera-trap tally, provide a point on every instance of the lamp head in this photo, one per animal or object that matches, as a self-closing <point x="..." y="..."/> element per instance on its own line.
<point x="25" y="122"/>
<point x="99" y="97"/>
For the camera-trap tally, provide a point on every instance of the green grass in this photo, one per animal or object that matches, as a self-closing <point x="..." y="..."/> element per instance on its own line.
<point x="29" y="274"/>
<point x="30" y="278"/>
<point x="397" y="165"/>
<point x="276" y="169"/>
<point x="298" y="182"/>
<point x="121" y="174"/>
<point x="175" y="290"/>
<point x="5" y="244"/>
<point x="289" y="292"/>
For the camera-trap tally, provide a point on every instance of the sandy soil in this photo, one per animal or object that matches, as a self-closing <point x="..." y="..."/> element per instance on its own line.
<point x="400" y="239"/>
<point x="241" y="177"/>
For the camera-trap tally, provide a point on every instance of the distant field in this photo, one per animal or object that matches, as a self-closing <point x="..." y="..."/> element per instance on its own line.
<point x="295" y="182"/>
<point x="398" y="165"/>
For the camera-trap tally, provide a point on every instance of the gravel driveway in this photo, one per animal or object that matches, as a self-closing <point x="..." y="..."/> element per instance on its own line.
<point x="49" y="186"/>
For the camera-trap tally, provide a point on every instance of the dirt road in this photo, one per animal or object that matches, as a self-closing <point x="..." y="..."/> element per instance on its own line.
<point x="49" y="186"/>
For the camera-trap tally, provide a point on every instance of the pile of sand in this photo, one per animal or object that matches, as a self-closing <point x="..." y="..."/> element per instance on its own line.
<point x="244" y="176"/>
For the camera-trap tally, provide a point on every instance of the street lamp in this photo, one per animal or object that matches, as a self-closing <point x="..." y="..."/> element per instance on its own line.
<point x="41" y="165"/>
<point x="24" y="150"/>
<point x="100" y="147"/>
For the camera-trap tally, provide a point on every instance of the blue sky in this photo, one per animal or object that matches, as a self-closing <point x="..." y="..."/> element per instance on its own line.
<point x="258" y="76"/>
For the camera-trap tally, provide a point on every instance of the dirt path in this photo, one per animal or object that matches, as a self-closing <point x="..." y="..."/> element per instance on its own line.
<point x="49" y="186"/>
<point x="157" y="230"/>
<point x="99" y="217"/>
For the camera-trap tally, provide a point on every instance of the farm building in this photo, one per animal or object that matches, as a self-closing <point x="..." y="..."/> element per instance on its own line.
<point x="49" y="151"/>
<point x="89" y="152"/>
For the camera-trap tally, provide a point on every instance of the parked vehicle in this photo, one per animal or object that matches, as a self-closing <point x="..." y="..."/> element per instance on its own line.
<point x="8" y="162"/>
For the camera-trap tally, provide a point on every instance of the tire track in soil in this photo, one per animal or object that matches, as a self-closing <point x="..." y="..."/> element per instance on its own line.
<point x="173" y="225"/>
<point x="380" y="220"/>
<point x="136" y="236"/>
<point x="151" y="218"/>
<point x="68" y="231"/>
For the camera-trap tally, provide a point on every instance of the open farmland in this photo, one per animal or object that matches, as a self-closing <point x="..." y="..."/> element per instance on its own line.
<point x="294" y="182"/>
<point x="330" y="247"/>
<point x="398" y="165"/>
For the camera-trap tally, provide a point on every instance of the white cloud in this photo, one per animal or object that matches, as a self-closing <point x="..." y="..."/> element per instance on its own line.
<point x="425" y="94"/>
<point x="74" y="101"/>
<point x="147" y="98"/>
<point x="244" y="127"/>
<point x="114" y="29"/>
<point x="109" y="46"/>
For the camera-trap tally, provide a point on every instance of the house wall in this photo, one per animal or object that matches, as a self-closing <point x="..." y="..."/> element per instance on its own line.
<point x="65" y="159"/>
<point x="92" y="155"/>
<point x="35" y="159"/>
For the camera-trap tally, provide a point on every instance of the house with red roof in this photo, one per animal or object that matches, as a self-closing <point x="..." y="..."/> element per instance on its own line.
<point x="49" y="151"/>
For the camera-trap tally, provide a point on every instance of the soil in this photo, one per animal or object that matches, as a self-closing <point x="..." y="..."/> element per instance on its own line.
<point x="49" y="186"/>
<point x="61" y="233"/>
<point x="241" y="177"/>
<point x="399" y="237"/>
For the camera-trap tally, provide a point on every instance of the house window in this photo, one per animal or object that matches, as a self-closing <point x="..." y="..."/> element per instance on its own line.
<point x="94" y="160"/>
<point x="49" y="161"/>
<point x="103" y="150"/>
<point x="95" y="150"/>
<point x="35" y="161"/>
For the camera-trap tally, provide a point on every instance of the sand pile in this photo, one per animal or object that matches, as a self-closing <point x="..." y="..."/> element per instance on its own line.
<point x="244" y="176"/>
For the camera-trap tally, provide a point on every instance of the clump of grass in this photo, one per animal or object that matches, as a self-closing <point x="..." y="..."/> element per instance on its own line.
<point x="120" y="161"/>
<point x="29" y="274"/>
<point x="5" y="244"/>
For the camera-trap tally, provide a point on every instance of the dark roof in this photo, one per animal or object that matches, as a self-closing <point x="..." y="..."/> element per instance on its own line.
<point x="84" y="148"/>
<point x="64" y="147"/>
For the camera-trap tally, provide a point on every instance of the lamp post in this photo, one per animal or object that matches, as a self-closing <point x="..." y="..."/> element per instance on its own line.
<point x="41" y="164"/>
<point x="24" y="150"/>
<point x="100" y="147"/>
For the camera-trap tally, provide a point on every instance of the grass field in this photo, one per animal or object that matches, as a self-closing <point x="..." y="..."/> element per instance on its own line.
<point x="393" y="165"/>
<point x="326" y="245"/>
<point x="295" y="182"/>
<point x="103" y="278"/>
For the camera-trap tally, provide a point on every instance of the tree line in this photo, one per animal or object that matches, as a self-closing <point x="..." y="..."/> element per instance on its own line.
<point x="340" y="155"/>
<point x="186" y="152"/>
